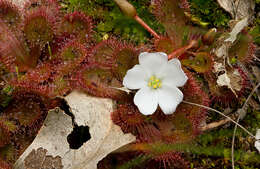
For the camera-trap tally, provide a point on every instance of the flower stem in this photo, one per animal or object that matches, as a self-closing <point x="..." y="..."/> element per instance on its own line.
<point x="149" y="29"/>
<point x="180" y="51"/>
<point x="235" y="129"/>
<point x="129" y="10"/>
<point x="211" y="109"/>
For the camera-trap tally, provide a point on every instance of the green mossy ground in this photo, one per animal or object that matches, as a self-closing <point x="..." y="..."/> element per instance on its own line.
<point x="110" y="21"/>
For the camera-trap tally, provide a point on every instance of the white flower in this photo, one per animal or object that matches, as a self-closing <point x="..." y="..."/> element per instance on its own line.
<point x="257" y="143"/>
<point x="158" y="79"/>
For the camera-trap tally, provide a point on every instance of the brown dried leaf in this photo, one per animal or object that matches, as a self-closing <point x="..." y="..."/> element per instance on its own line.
<point x="37" y="159"/>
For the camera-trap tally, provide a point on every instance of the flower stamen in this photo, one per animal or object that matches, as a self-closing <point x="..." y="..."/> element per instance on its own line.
<point x="154" y="82"/>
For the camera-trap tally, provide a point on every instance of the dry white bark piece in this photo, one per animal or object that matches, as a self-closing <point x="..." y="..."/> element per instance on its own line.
<point x="241" y="11"/>
<point x="222" y="50"/>
<point x="19" y="2"/>
<point x="94" y="112"/>
<point x="218" y="67"/>
<point x="230" y="79"/>
<point x="237" y="29"/>
<point x="224" y="80"/>
<point x="222" y="53"/>
<point x="227" y="5"/>
<point x="238" y="8"/>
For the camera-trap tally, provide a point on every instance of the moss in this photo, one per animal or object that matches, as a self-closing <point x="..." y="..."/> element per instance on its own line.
<point x="110" y="20"/>
<point x="255" y="30"/>
<point x="209" y="11"/>
<point x="5" y="96"/>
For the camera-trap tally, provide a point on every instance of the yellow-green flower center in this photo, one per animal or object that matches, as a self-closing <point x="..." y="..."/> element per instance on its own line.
<point x="154" y="82"/>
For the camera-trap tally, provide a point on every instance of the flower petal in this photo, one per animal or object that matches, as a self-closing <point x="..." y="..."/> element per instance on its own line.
<point x="169" y="98"/>
<point x="146" y="99"/>
<point x="153" y="62"/>
<point x="172" y="74"/>
<point x="257" y="143"/>
<point x="135" y="78"/>
<point x="257" y="134"/>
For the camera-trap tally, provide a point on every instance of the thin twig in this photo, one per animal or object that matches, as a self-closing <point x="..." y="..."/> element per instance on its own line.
<point x="233" y="8"/>
<point x="235" y="129"/>
<point x="236" y="10"/>
<point x="211" y="109"/>
<point x="213" y="125"/>
<point x="256" y="58"/>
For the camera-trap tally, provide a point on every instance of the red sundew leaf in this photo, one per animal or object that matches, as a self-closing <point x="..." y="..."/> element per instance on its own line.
<point x="128" y="117"/>
<point x="193" y="92"/>
<point x="13" y="52"/>
<point x="60" y="86"/>
<point x="4" y="132"/>
<point x="103" y="53"/>
<point x="9" y="153"/>
<point x="171" y="14"/>
<point x="4" y="165"/>
<point x="27" y="109"/>
<point x="201" y="62"/>
<point x="100" y="82"/>
<point x="222" y="95"/>
<point x="184" y="124"/>
<point x="53" y="75"/>
<point x="69" y="57"/>
<point x="51" y="6"/>
<point x="170" y="159"/>
<point x="126" y="57"/>
<point x="116" y="55"/>
<point x="19" y="123"/>
<point x="243" y="48"/>
<point x="164" y="44"/>
<point x="40" y="74"/>
<point x="39" y="27"/>
<point x="10" y="14"/>
<point x="176" y="128"/>
<point x="29" y="86"/>
<point x="57" y="43"/>
<point x="78" y="25"/>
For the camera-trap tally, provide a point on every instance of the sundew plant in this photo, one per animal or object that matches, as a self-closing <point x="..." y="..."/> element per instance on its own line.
<point x="168" y="90"/>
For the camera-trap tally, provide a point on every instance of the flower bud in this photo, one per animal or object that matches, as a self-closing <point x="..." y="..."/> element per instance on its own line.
<point x="127" y="8"/>
<point x="210" y="36"/>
